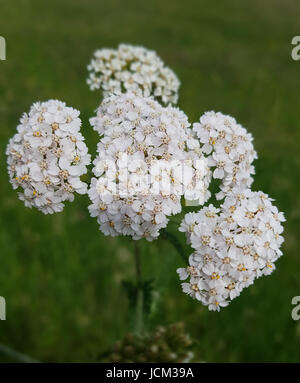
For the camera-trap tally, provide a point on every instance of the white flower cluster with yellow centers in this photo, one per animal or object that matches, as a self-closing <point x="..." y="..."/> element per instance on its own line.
<point x="233" y="246"/>
<point x="135" y="69"/>
<point x="47" y="156"/>
<point x="230" y="149"/>
<point x="147" y="161"/>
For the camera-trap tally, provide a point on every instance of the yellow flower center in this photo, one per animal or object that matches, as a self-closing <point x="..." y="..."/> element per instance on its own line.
<point x="215" y="276"/>
<point x="102" y="206"/>
<point x="231" y="286"/>
<point x="249" y="214"/>
<point x="212" y="141"/>
<point x="205" y="239"/>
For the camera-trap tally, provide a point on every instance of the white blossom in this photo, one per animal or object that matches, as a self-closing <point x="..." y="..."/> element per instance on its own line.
<point x="47" y="156"/>
<point x="144" y="166"/>
<point x="233" y="246"/>
<point x="135" y="69"/>
<point x="230" y="151"/>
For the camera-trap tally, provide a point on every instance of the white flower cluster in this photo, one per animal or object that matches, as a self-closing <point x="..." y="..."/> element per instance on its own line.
<point x="47" y="156"/>
<point x="230" y="149"/>
<point x="147" y="160"/>
<point x="134" y="69"/>
<point x="233" y="246"/>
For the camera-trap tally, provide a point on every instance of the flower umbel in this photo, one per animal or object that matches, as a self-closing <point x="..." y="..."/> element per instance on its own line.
<point x="135" y="69"/>
<point x="164" y="344"/>
<point x="230" y="151"/>
<point x="147" y="160"/>
<point x="233" y="246"/>
<point x="47" y="156"/>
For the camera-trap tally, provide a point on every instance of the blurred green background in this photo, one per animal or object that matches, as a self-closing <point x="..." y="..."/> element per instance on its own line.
<point x="62" y="279"/>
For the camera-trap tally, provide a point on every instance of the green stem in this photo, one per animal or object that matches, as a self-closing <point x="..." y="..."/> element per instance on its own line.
<point x="139" y="290"/>
<point x="175" y="242"/>
<point x="138" y="270"/>
<point x="16" y="355"/>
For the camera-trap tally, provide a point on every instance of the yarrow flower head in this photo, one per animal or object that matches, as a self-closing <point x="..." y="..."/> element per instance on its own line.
<point x="230" y="150"/>
<point x="233" y="246"/>
<point x="135" y="69"/>
<point x="47" y="156"/>
<point x="147" y="161"/>
<point x="166" y="344"/>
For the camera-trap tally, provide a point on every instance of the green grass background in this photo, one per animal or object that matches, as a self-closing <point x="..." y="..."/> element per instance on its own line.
<point x="60" y="276"/>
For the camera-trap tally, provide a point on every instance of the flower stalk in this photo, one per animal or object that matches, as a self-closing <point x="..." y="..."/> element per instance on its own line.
<point x="139" y="291"/>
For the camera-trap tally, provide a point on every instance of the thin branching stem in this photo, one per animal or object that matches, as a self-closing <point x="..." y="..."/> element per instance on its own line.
<point x="175" y="242"/>
<point x="139" y="290"/>
<point x="16" y="355"/>
<point x="138" y="270"/>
